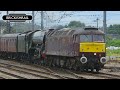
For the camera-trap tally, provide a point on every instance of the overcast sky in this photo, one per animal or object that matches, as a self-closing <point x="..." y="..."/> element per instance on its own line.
<point x="64" y="17"/>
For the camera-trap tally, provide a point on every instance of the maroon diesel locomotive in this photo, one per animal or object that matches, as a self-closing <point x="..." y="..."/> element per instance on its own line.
<point x="79" y="49"/>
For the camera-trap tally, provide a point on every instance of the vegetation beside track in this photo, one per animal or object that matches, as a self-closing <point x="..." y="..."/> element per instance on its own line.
<point x="113" y="52"/>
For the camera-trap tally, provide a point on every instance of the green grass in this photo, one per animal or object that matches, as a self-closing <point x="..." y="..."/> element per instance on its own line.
<point x="115" y="43"/>
<point x="113" y="52"/>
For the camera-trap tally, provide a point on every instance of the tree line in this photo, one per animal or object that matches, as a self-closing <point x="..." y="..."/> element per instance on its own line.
<point x="21" y="27"/>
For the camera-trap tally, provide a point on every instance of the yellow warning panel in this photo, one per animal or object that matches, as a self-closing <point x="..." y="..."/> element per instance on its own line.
<point x="92" y="47"/>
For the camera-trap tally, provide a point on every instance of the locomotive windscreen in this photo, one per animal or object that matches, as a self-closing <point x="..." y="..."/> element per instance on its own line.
<point x="92" y="38"/>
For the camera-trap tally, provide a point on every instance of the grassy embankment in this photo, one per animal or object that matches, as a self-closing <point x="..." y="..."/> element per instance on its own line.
<point x="115" y="43"/>
<point x="113" y="52"/>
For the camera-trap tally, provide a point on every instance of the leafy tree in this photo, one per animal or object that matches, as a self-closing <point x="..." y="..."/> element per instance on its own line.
<point x="3" y="26"/>
<point x="22" y="27"/>
<point x="57" y="27"/>
<point x="11" y="30"/>
<point x="115" y="42"/>
<point x="66" y="26"/>
<point x="114" y="29"/>
<point x="75" y="24"/>
<point x="2" y="23"/>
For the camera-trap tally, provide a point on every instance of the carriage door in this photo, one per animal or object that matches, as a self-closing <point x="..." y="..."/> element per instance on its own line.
<point x="76" y="45"/>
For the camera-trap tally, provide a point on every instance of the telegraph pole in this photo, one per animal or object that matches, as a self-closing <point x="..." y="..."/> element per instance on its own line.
<point x="8" y="24"/>
<point x="33" y="20"/>
<point x="42" y="16"/>
<point x="104" y="23"/>
<point x="97" y="22"/>
<point x="0" y="27"/>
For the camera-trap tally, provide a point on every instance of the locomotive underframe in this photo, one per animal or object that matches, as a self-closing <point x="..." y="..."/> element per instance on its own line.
<point x="56" y="61"/>
<point x="73" y="63"/>
<point x="14" y="55"/>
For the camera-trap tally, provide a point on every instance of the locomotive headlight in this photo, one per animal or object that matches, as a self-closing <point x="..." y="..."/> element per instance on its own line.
<point x="103" y="60"/>
<point x="83" y="60"/>
<point x="94" y="53"/>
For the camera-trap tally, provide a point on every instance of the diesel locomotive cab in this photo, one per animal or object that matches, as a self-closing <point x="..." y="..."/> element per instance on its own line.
<point x="92" y="50"/>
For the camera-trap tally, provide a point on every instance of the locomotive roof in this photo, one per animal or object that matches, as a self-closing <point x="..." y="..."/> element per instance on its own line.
<point x="89" y="31"/>
<point x="69" y="31"/>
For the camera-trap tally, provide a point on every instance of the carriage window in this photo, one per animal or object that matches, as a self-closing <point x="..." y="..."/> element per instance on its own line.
<point x="98" y="38"/>
<point x="85" y="38"/>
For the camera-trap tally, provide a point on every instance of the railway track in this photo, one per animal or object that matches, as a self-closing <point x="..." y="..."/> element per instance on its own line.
<point x="75" y="75"/>
<point x="57" y="72"/>
<point x="72" y="74"/>
<point x="67" y="73"/>
<point x="99" y="75"/>
<point x="109" y="76"/>
<point x="111" y="67"/>
<point x="43" y="72"/>
<point x="2" y="78"/>
<point x="7" y="75"/>
<point x="87" y="75"/>
<point x="118" y="61"/>
<point x="48" y="74"/>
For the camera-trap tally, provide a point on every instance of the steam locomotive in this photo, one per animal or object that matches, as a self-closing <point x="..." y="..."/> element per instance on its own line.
<point x="81" y="49"/>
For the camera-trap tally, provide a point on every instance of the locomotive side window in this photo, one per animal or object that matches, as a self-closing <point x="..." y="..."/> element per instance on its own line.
<point x="75" y="38"/>
<point x="85" y="38"/>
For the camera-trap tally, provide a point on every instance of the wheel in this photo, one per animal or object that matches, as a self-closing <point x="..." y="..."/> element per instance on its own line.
<point x="97" y="70"/>
<point x="92" y="69"/>
<point x="85" y="70"/>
